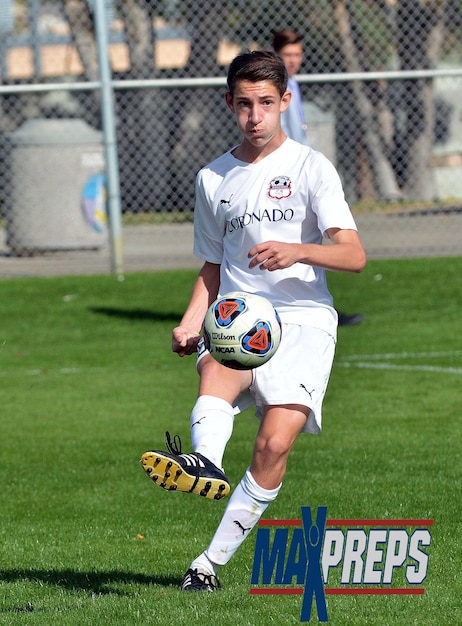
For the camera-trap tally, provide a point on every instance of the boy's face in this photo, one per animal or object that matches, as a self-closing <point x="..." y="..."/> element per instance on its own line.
<point x="292" y="55"/>
<point x="258" y="107"/>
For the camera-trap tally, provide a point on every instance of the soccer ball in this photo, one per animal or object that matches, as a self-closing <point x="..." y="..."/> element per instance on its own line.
<point x="242" y="330"/>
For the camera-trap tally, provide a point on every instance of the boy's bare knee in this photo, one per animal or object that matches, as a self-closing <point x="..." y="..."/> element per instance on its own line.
<point x="271" y="448"/>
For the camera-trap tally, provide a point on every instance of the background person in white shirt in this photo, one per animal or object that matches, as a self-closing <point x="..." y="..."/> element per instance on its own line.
<point x="288" y="44"/>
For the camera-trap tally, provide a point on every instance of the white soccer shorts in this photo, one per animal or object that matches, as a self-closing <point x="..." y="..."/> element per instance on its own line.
<point x="297" y="374"/>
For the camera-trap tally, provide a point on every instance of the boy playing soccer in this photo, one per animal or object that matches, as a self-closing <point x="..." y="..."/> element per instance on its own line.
<point x="261" y="212"/>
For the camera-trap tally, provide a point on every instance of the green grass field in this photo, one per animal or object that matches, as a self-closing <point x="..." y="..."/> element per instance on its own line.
<point x="88" y="383"/>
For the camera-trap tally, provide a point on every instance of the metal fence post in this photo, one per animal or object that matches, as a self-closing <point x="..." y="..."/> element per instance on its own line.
<point x="110" y="142"/>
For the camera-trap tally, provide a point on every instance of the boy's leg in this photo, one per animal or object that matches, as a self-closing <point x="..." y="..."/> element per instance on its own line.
<point x="278" y="431"/>
<point x="245" y="507"/>
<point x="199" y="472"/>
<point x="279" y="428"/>
<point x="211" y="427"/>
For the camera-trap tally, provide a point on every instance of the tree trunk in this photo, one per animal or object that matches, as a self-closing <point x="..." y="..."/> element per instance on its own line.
<point x="83" y="33"/>
<point x="197" y="126"/>
<point x="384" y="178"/>
<point x="205" y="23"/>
<point x="419" y="33"/>
<point x="139" y="36"/>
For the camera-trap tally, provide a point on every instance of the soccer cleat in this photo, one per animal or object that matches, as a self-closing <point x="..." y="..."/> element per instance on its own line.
<point x="191" y="473"/>
<point x="199" y="581"/>
<point x="349" y="320"/>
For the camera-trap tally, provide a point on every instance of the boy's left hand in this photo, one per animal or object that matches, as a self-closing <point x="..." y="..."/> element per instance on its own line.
<point x="274" y="255"/>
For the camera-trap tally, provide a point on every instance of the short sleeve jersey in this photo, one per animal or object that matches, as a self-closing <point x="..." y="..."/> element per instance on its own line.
<point x="292" y="195"/>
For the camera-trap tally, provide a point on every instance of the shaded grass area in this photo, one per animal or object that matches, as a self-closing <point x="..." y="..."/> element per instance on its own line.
<point x="88" y="383"/>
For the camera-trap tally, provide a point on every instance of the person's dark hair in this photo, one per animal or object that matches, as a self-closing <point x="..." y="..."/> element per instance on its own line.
<point x="258" y="66"/>
<point x="285" y="37"/>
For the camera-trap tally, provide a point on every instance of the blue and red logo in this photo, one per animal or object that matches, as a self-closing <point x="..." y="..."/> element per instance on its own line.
<point x="365" y="556"/>
<point x="226" y="310"/>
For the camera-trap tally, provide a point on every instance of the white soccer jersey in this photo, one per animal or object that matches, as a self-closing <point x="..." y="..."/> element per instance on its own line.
<point x="293" y="195"/>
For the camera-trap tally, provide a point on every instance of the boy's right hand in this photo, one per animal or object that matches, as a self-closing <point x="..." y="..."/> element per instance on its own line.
<point x="184" y="340"/>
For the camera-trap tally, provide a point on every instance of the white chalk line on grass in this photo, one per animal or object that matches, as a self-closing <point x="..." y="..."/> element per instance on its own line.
<point x="375" y="361"/>
<point x="63" y="371"/>
<point x="401" y="355"/>
<point x="45" y="372"/>
<point x="409" y="368"/>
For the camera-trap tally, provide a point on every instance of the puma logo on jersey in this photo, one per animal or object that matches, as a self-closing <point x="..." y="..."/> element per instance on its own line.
<point x="308" y="392"/>
<point x="228" y="202"/>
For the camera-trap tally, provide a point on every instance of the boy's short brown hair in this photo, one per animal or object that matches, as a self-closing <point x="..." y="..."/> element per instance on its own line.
<point x="258" y="66"/>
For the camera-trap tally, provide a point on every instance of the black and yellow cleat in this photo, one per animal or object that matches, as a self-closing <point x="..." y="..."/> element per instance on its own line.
<point x="190" y="473"/>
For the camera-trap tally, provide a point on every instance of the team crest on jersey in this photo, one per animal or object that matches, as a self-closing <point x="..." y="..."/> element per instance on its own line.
<point x="280" y="187"/>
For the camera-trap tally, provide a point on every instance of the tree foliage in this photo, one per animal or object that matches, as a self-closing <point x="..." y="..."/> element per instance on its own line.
<point x="340" y="35"/>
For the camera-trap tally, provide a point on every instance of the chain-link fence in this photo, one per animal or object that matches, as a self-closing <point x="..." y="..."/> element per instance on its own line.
<point x="381" y="83"/>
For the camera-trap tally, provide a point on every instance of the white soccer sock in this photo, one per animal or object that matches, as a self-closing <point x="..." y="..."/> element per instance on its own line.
<point x="245" y="507"/>
<point x="204" y="565"/>
<point x="211" y="423"/>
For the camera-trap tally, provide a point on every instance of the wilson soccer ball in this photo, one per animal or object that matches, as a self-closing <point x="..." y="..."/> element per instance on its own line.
<point x="242" y="330"/>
